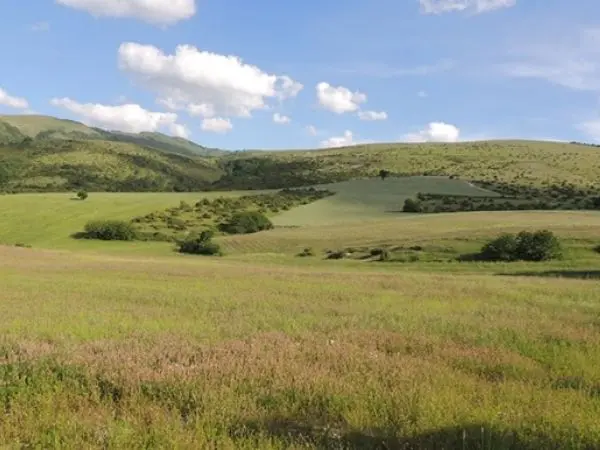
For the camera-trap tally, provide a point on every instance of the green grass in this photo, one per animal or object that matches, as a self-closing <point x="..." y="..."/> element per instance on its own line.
<point x="48" y="220"/>
<point x="32" y="125"/>
<point x="357" y="200"/>
<point x="115" y="352"/>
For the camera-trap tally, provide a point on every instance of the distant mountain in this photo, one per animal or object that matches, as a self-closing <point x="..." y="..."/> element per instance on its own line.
<point x="15" y="129"/>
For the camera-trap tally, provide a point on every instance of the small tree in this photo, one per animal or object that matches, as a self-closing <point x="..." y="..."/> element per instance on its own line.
<point x="384" y="174"/>
<point x="412" y="206"/>
<point x="82" y="195"/>
<point x="537" y="246"/>
<point x="503" y="248"/>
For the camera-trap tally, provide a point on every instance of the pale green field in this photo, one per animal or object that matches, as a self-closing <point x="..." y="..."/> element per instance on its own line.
<point x="48" y="220"/>
<point x="357" y="200"/>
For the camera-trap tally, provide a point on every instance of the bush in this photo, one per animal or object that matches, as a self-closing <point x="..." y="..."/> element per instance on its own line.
<point x="412" y="206"/>
<point x="503" y="248"/>
<point x="246" y="222"/>
<point x="337" y="255"/>
<point x="110" y="230"/>
<point x="306" y="252"/>
<point x="82" y="195"/>
<point x="200" y="244"/>
<point x="526" y="246"/>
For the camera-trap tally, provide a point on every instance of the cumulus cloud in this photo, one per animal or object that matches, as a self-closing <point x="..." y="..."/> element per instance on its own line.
<point x="339" y="141"/>
<point x="372" y="115"/>
<point x="280" y="119"/>
<point x="130" y="118"/>
<point x="473" y="6"/>
<point x="204" y="83"/>
<point x="13" y="102"/>
<point x="217" y="125"/>
<point x="339" y="99"/>
<point x="435" y="132"/>
<point x="157" y="12"/>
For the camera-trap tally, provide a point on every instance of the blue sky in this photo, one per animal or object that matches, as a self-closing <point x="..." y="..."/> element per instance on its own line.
<point x="263" y="74"/>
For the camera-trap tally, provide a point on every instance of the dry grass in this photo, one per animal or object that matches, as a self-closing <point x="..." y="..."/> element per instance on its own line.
<point x="115" y="352"/>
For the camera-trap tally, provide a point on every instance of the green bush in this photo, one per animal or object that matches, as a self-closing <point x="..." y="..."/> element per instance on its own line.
<point x="246" y="222"/>
<point x="540" y="245"/>
<point x="503" y="248"/>
<point x="109" y="230"/>
<point x="82" y="195"/>
<point x="337" y="255"/>
<point x="597" y="249"/>
<point x="200" y="244"/>
<point x="412" y="206"/>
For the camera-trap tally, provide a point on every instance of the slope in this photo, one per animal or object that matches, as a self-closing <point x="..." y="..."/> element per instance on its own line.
<point x="364" y="199"/>
<point x="101" y="166"/>
<point x="46" y="127"/>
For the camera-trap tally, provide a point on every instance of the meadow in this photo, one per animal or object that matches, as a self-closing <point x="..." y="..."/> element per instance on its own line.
<point x="131" y="345"/>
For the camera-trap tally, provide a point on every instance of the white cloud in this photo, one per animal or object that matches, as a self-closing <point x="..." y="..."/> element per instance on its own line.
<point x="383" y="70"/>
<point x="312" y="130"/>
<point x="13" y="102"/>
<point x="217" y="125"/>
<point x="372" y="115"/>
<point x="222" y="85"/>
<point x="569" y="61"/>
<point x="40" y="27"/>
<point x="591" y="128"/>
<point x="278" y="118"/>
<point x="157" y="12"/>
<point x="339" y="99"/>
<point x="473" y="6"/>
<point x="179" y="130"/>
<point x="130" y="118"/>
<point x="339" y="141"/>
<point x="435" y="132"/>
<point x="422" y="94"/>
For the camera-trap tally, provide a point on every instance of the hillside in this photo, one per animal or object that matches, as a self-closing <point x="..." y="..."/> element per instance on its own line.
<point x="13" y="129"/>
<point x="98" y="165"/>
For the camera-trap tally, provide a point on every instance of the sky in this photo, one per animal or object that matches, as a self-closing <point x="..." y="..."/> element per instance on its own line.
<point x="239" y="74"/>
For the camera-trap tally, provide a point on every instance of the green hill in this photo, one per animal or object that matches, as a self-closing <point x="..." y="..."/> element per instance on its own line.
<point x="96" y="165"/>
<point x="14" y="129"/>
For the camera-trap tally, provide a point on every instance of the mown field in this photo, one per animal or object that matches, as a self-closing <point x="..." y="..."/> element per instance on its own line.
<point x="130" y="345"/>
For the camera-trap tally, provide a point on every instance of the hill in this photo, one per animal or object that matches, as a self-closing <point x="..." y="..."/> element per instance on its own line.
<point x="14" y="129"/>
<point x="95" y="165"/>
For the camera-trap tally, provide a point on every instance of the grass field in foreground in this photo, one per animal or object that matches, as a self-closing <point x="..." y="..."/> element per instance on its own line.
<point x="357" y="200"/>
<point x="104" y="352"/>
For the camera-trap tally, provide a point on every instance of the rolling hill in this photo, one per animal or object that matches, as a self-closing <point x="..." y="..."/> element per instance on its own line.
<point x="14" y="129"/>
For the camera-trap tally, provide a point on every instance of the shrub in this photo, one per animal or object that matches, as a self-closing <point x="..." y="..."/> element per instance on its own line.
<point x="376" y="251"/>
<point x="306" y="252"/>
<point x="110" y="230"/>
<point x="526" y="246"/>
<point x="337" y="255"/>
<point x="503" y="248"/>
<point x="597" y="249"/>
<point x="412" y="206"/>
<point x="538" y="246"/>
<point x="246" y="222"/>
<point x="82" y="195"/>
<point x="200" y="244"/>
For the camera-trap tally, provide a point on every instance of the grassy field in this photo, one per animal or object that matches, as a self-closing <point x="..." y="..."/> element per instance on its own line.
<point x="117" y="352"/>
<point x="357" y="200"/>
<point x="130" y="345"/>
<point x="48" y="220"/>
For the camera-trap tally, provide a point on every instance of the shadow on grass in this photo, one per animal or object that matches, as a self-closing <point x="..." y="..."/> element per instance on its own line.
<point x="469" y="437"/>
<point x="79" y="235"/>
<point x="574" y="274"/>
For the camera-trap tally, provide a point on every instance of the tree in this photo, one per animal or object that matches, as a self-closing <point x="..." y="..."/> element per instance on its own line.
<point x="412" y="206"/>
<point x="82" y="195"/>
<point x="384" y="174"/>
<point x="200" y="244"/>
<point x="525" y="246"/>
